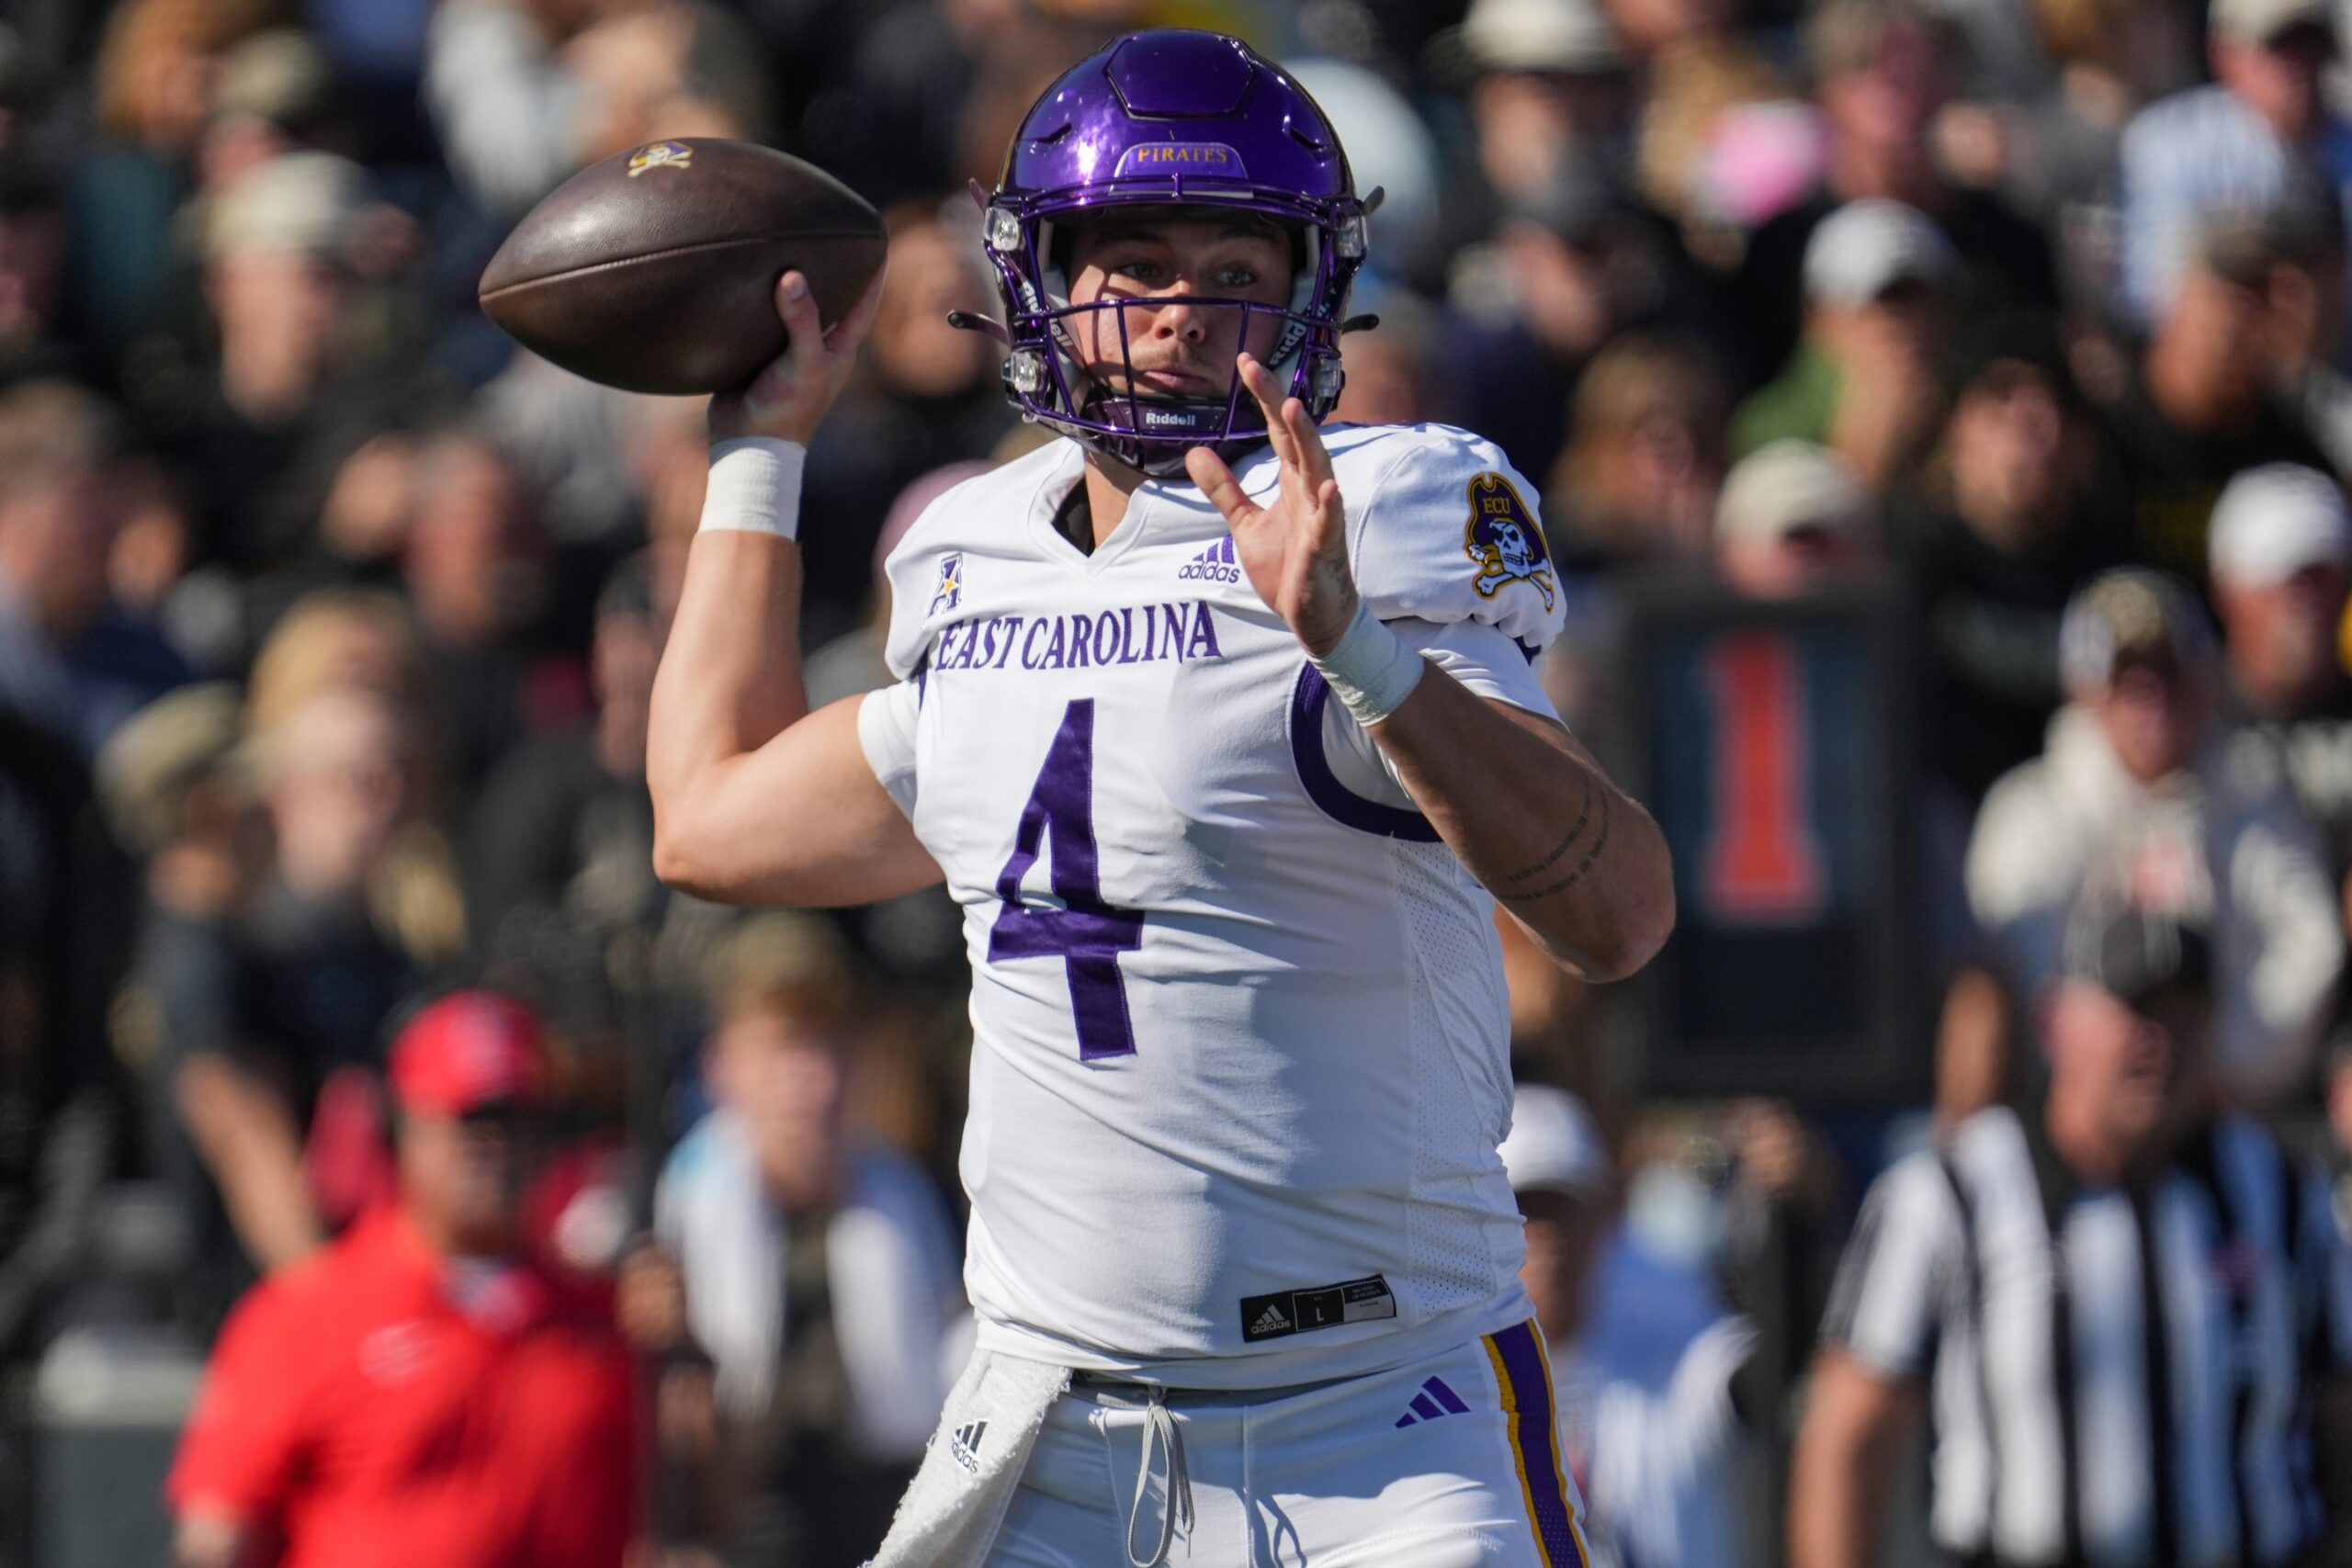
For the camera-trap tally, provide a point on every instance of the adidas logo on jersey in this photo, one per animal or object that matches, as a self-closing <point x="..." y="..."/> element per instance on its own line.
<point x="1273" y="1320"/>
<point x="1214" y="564"/>
<point x="965" y="1445"/>
<point x="1434" y="1400"/>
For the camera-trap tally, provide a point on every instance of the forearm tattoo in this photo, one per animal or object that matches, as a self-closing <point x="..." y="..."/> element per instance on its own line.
<point x="1586" y="819"/>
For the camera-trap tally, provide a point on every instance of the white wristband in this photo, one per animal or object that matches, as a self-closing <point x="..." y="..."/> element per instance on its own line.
<point x="1370" y="670"/>
<point x="754" y="486"/>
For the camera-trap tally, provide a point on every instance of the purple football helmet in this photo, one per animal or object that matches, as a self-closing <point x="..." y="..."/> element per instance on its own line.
<point x="1173" y="117"/>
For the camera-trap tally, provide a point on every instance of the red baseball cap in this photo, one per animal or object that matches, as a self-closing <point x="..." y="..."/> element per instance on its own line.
<point x="468" y="1050"/>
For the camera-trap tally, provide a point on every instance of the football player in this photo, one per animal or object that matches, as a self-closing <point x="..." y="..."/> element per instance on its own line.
<point x="1221" y="728"/>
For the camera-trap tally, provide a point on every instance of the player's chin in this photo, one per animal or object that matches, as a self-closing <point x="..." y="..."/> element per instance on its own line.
<point x="1168" y="387"/>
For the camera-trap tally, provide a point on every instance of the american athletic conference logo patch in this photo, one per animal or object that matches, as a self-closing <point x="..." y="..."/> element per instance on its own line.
<point x="950" y="590"/>
<point x="1503" y="540"/>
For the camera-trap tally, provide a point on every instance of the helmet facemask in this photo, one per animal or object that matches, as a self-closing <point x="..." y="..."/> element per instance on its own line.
<point x="1182" y="119"/>
<point x="1082" y="383"/>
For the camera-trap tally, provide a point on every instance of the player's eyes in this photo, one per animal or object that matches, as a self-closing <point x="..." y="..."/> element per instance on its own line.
<point x="1141" y="271"/>
<point x="1236" y="277"/>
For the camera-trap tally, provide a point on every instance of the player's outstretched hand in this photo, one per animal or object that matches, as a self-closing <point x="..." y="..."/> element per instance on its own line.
<point x="1296" y="550"/>
<point x="789" y="399"/>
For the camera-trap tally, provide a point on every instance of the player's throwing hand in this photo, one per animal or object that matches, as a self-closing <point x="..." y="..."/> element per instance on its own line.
<point x="789" y="399"/>
<point x="1294" y="551"/>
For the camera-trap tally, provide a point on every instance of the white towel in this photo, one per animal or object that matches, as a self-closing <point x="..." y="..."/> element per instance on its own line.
<point x="893" y="1267"/>
<point x="952" y="1511"/>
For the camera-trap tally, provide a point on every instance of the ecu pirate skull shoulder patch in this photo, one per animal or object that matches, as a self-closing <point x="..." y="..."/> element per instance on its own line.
<point x="1504" y="541"/>
<point x="660" y="155"/>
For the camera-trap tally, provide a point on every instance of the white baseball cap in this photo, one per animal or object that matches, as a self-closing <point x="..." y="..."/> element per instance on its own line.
<point x="1567" y="38"/>
<point x="302" y="202"/>
<point x="1788" y="485"/>
<point x="2130" y="612"/>
<point x="2261" y="21"/>
<point x="1553" y="1144"/>
<point x="2274" y="521"/>
<point x="1865" y="248"/>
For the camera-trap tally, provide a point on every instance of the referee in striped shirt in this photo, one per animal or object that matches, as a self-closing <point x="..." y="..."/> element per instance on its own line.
<point x="2128" y="1315"/>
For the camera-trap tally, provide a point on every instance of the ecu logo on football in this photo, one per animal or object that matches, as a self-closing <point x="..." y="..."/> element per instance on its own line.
<point x="660" y="155"/>
<point x="1503" y="540"/>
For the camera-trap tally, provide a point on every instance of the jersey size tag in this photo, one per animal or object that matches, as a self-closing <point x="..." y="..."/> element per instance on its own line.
<point x="1320" y="1306"/>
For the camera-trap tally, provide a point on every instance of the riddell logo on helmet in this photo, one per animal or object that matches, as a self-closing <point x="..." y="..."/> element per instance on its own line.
<point x="1182" y="158"/>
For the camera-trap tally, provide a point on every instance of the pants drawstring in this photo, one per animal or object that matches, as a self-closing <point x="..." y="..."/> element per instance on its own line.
<point x="1161" y="1434"/>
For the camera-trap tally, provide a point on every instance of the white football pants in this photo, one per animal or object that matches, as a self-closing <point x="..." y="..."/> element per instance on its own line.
<point x="1448" y="1462"/>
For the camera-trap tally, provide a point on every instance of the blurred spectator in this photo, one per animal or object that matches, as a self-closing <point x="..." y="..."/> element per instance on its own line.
<point x="1635" y="487"/>
<point x="292" y="386"/>
<point x="1792" y="517"/>
<point x="2299" y="246"/>
<point x="665" y="68"/>
<point x="340" y="639"/>
<point x="813" y="1270"/>
<point x="2195" y="405"/>
<point x="422" y="1391"/>
<point x="1862" y="382"/>
<point x="1880" y="75"/>
<point x="2162" y="1428"/>
<point x="476" y="570"/>
<point x="154" y="544"/>
<point x="1642" y="1353"/>
<point x="1389" y="147"/>
<point x="1391" y="371"/>
<point x="2282" y="575"/>
<point x="2231" y="148"/>
<point x="523" y="92"/>
<point x="1644" y="457"/>
<point x="2281" y="569"/>
<point x="928" y="394"/>
<point x="890" y="122"/>
<point x="62" y="918"/>
<point x="570" y="438"/>
<point x="153" y="84"/>
<point x="66" y="661"/>
<point x="2057" y="151"/>
<point x="1998" y="530"/>
<point x="1572" y="266"/>
<point x="1724" y="148"/>
<point x="270" y="1009"/>
<point x="2133" y="802"/>
<point x="1549" y="92"/>
<point x="854" y="662"/>
<point x="176" y="802"/>
<point x="560" y="836"/>
<point x="32" y="263"/>
<point x="274" y="94"/>
<point x="506" y="108"/>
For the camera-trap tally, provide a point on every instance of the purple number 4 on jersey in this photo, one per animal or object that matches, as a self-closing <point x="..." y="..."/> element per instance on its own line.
<point x="1086" y="935"/>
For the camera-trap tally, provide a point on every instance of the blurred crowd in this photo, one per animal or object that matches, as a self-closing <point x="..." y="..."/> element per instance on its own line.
<point x="328" y="621"/>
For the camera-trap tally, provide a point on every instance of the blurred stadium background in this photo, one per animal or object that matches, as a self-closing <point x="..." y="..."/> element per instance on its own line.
<point x="327" y="620"/>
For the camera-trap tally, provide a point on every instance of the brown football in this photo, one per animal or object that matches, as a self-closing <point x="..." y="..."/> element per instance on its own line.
<point x="655" y="270"/>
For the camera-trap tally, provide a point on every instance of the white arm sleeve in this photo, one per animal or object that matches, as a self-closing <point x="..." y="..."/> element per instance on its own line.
<point x="886" y="729"/>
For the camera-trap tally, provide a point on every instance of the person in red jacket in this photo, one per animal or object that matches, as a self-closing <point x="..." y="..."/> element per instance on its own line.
<point x="419" y="1391"/>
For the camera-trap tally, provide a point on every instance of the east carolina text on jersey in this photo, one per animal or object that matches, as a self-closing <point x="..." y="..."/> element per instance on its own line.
<point x="1132" y="634"/>
<point x="1239" y="1025"/>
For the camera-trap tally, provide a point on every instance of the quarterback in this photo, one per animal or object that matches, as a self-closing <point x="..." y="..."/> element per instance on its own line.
<point x="1221" y="728"/>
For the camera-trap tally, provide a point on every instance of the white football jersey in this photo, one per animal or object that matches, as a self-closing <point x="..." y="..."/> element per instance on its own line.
<point x="1240" y="1041"/>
